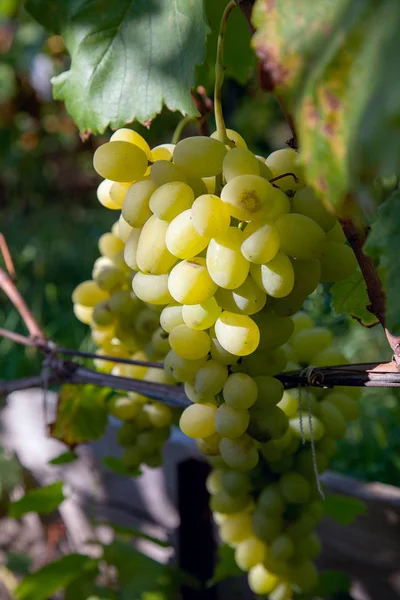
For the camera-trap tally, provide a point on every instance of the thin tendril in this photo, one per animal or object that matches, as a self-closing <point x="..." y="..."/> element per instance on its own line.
<point x="219" y="75"/>
<point x="180" y="127"/>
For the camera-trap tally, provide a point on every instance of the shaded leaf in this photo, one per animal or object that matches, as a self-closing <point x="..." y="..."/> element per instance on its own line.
<point x="383" y="245"/>
<point x="350" y="296"/>
<point x="226" y="566"/>
<point x="332" y="582"/>
<point x="18" y="562"/>
<point x="64" y="459"/>
<point x="115" y="464"/>
<point x="81" y="415"/>
<point x="128" y="58"/>
<point x="133" y="532"/>
<point x="53" y="577"/>
<point x="42" y="500"/>
<point x="343" y="509"/>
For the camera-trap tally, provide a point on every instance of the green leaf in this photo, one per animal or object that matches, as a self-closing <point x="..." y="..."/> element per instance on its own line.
<point x="115" y="464"/>
<point x="54" y="577"/>
<point x="81" y="415"/>
<point x="64" y="458"/>
<point x="18" y="562"/>
<point x="43" y="500"/>
<point x="350" y="296"/>
<point x="383" y="245"/>
<point x="332" y="582"/>
<point x="133" y="532"/>
<point x="343" y="509"/>
<point x="128" y="58"/>
<point x="226" y="566"/>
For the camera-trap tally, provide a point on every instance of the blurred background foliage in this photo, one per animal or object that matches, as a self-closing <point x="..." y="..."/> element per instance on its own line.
<point x="52" y="220"/>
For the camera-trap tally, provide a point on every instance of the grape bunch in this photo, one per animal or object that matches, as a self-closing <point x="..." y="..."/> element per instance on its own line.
<point x="122" y="326"/>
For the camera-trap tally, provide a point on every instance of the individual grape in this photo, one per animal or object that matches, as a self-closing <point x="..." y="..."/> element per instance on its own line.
<point x="135" y="208"/>
<point x="190" y="283"/>
<point x="110" y="279"/>
<point x="223" y="502"/>
<point x="162" y="152"/>
<point x="332" y="419"/>
<point x="230" y="422"/>
<point x="152" y="288"/>
<point x="182" y="239"/>
<point x="219" y="353"/>
<point x="282" y="548"/>
<point x="225" y="262"/>
<point x="310" y="341"/>
<point x="275" y="277"/>
<point x="152" y="254"/>
<point x="189" y="343"/>
<point x="196" y="396"/>
<point x="180" y="368"/>
<point x="209" y="445"/>
<point x="123" y="407"/>
<point x="337" y="262"/>
<point x="301" y="320"/>
<point x="267" y="527"/>
<point x="247" y="299"/>
<point x="270" y="500"/>
<point x="281" y="206"/>
<point x="274" y="331"/>
<point x="300" y="236"/>
<point x="102" y="314"/>
<point x="169" y="200"/>
<point x="103" y="195"/>
<point x="269" y="362"/>
<point x="249" y="197"/>
<point x="305" y="463"/>
<point x="235" y="482"/>
<point x="164" y="171"/>
<point x="300" y="426"/>
<point x="210" y="184"/>
<point x="304" y="576"/>
<point x="306" y="202"/>
<point x="199" y="156"/>
<point x="269" y="389"/>
<point x="283" y="161"/>
<point x="210" y="215"/>
<point x="294" y="488"/>
<point x="160" y="415"/>
<point x="236" y="528"/>
<point x="214" y="481"/>
<point x="264" y="170"/>
<point x="146" y="323"/>
<point x="249" y="553"/>
<point x="128" y="135"/>
<point x="238" y="334"/>
<point x="123" y="229"/>
<point x="283" y="591"/>
<point x="83" y="313"/>
<point x="336" y="234"/>
<point x="261" y="242"/>
<point x="240" y="391"/>
<point x="239" y="454"/>
<point x="159" y="341"/>
<point x="309" y="547"/>
<point x="328" y="446"/>
<point x="262" y="581"/>
<point x="233" y="136"/>
<point x="198" y="186"/>
<point x="118" y="192"/>
<point x="201" y="316"/>
<point x="328" y="357"/>
<point x="267" y="422"/>
<point x="197" y="420"/>
<point x="307" y="275"/>
<point x="347" y="406"/>
<point x="88" y="293"/>
<point x="110" y="245"/>
<point x="170" y="317"/>
<point x="210" y="378"/>
<point x="239" y="161"/>
<point x="120" y="161"/>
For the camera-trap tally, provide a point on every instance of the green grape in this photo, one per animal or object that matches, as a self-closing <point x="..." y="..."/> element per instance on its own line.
<point x="347" y="406"/>
<point x="274" y="331"/>
<point x="210" y="184"/>
<point x="240" y="391"/>
<point x="314" y="431"/>
<point x="152" y="255"/>
<point x="316" y="510"/>
<point x="222" y="502"/>
<point x="247" y="299"/>
<point x="110" y="279"/>
<point x="328" y="357"/>
<point x="146" y="323"/>
<point x="128" y="135"/>
<point x="152" y="288"/>
<point x="210" y="378"/>
<point x="267" y="422"/>
<point x="294" y="488"/>
<point x="249" y="553"/>
<point x="261" y="242"/>
<point x="103" y="195"/>
<point x="336" y="234"/>
<point x="262" y="581"/>
<point x="120" y="161"/>
<point x="159" y="341"/>
<point x="282" y="548"/>
<point x="171" y="316"/>
<point x="198" y="186"/>
<point x="135" y="208"/>
<point x="200" y="156"/>
<point x="110" y="245"/>
<point x="233" y="136"/>
<point x="214" y="481"/>
<point x="210" y="215"/>
<point x="307" y="275"/>
<point x="268" y="362"/>
<point x="197" y="420"/>
<point x="131" y="457"/>
<point x="180" y="368"/>
<point x="235" y="482"/>
<point x="182" y="238"/>
<point x="102" y="314"/>
<point x="162" y="152"/>
<point x="127" y="433"/>
<point x="238" y="334"/>
<point x="302" y="527"/>
<point x="169" y="200"/>
<point x="305" y="463"/>
<point x="102" y="262"/>
<point x="301" y="320"/>
<point x="306" y="202"/>
<point x="123" y="407"/>
<point x="236" y="528"/>
<point x="118" y="192"/>
<point x="327" y="446"/>
<point x="219" y="354"/>
<point x="283" y="591"/>
<point x="353" y="392"/>
<point x="124" y="304"/>
<point x="239" y="161"/>
<point x="249" y="197"/>
<point x="88" y="293"/>
<point x="164" y="171"/>
<point x="230" y="422"/>
<point x="283" y="161"/>
<point x="225" y="262"/>
<point x="289" y="404"/>
<point x="267" y="527"/>
<point x="282" y="465"/>
<point x="304" y="576"/>
<point x="281" y="206"/>
<point x="310" y="341"/>
<point x="264" y="170"/>
<point x="309" y="547"/>
<point x="276" y="277"/>
<point x="146" y="443"/>
<point x="201" y="316"/>
<point x="270" y="500"/>
<point x="269" y="389"/>
<point x="239" y="454"/>
<point x="270" y="452"/>
<point x="189" y="343"/>
<point x="83" y="313"/>
<point x="209" y="445"/>
<point x="332" y="419"/>
<point x="300" y="236"/>
<point x="196" y="396"/>
<point x="190" y="283"/>
<point x="124" y="229"/>
<point x="337" y="262"/>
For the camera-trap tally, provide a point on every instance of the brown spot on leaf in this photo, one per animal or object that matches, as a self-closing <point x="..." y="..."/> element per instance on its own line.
<point x="329" y="129"/>
<point x="277" y="71"/>
<point x="321" y="184"/>
<point x="332" y="100"/>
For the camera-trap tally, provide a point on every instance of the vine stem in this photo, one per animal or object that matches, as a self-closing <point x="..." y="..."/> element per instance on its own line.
<point x="219" y="75"/>
<point x="181" y="126"/>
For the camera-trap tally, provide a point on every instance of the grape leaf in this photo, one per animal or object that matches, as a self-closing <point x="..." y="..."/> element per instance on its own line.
<point x="350" y="296"/>
<point x="226" y="566"/>
<point x="64" y="458"/>
<point x="383" y="245"/>
<point x="42" y="500"/>
<point x="128" y="58"/>
<point x="343" y="509"/>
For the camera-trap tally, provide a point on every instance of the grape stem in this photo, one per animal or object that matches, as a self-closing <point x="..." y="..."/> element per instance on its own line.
<point x="219" y="75"/>
<point x="284" y="175"/>
<point x="181" y="126"/>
